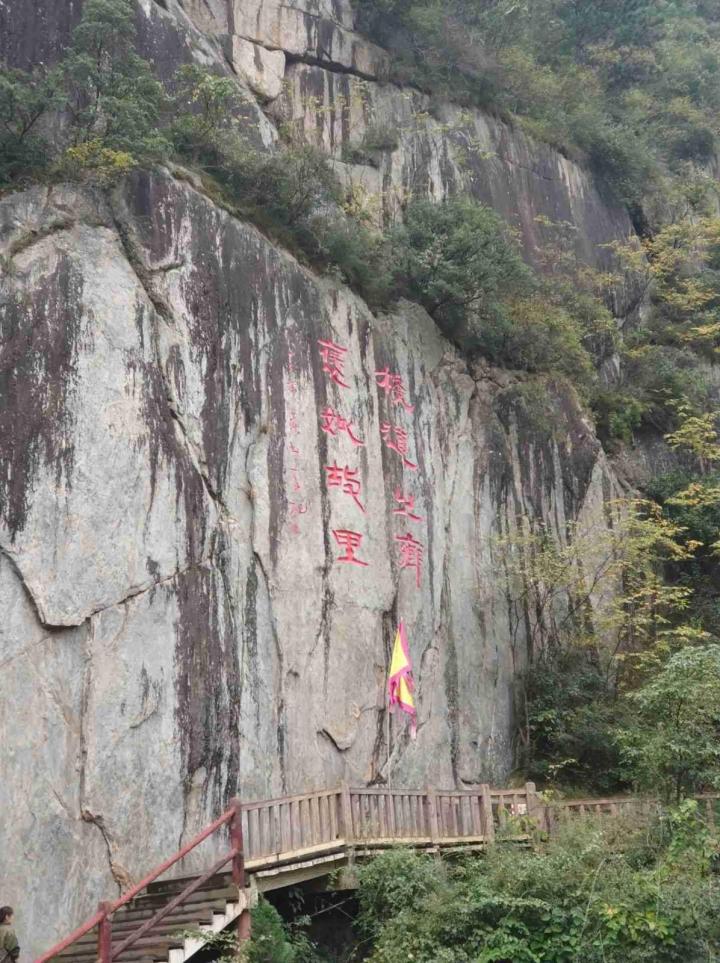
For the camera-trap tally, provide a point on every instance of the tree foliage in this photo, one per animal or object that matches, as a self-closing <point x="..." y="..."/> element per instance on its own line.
<point x="608" y="892"/>
<point x="673" y="745"/>
<point x="631" y="85"/>
<point x="457" y="260"/>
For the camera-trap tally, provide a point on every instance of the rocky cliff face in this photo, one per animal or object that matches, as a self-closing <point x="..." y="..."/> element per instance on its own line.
<point x="223" y="480"/>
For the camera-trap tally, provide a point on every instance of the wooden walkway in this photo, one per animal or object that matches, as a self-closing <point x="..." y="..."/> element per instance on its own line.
<point x="296" y="827"/>
<point x="281" y="842"/>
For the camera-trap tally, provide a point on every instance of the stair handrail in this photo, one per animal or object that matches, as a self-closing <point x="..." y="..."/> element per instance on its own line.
<point x="231" y="815"/>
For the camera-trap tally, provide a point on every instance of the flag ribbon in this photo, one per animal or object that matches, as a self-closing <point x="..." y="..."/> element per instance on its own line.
<point x="400" y="679"/>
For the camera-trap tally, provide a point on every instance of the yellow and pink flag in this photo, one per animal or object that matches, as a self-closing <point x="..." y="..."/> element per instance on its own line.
<point x="400" y="680"/>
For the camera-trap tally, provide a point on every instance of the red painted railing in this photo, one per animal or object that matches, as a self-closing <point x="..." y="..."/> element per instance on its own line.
<point x="103" y="918"/>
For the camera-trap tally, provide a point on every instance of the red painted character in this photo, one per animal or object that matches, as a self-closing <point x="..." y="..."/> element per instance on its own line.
<point x="407" y="506"/>
<point x="349" y="541"/>
<point x="396" y="438"/>
<point x="393" y="385"/>
<point x="411" y="554"/>
<point x="333" y="356"/>
<point x="347" y="479"/>
<point x="331" y="423"/>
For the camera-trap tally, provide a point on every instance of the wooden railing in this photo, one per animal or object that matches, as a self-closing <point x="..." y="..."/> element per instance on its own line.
<point x="548" y="816"/>
<point x="281" y="830"/>
<point x="288" y="827"/>
<point x="107" y="951"/>
<point x="286" y="831"/>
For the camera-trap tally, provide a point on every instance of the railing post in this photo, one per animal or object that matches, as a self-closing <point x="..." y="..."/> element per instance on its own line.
<point x="236" y="843"/>
<point x="531" y="802"/>
<point x="346" y="813"/>
<point x="432" y="815"/>
<point x="238" y="869"/>
<point x="104" y="942"/>
<point x="488" y="813"/>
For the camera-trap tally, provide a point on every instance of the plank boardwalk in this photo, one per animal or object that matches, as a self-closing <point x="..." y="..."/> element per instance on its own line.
<point x="281" y="842"/>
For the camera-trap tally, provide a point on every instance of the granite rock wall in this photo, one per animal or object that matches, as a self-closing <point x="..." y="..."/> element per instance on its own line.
<point x="217" y="470"/>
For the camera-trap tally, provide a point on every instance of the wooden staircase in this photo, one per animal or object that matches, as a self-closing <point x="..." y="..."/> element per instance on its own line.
<point x="211" y="908"/>
<point x="281" y="842"/>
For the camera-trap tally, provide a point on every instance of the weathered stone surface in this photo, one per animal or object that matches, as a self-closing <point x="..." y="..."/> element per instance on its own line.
<point x="263" y="69"/>
<point x="318" y="30"/>
<point x="55" y="863"/>
<point x="175" y="625"/>
<point x="455" y="150"/>
<point x="210" y="16"/>
<point x="158" y="435"/>
<point x="86" y="423"/>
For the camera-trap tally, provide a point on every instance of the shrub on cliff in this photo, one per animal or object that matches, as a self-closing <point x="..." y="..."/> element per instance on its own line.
<point x="25" y="98"/>
<point x="457" y="259"/>
<point x="112" y="99"/>
<point x="102" y="100"/>
<point x="600" y="891"/>
<point x="272" y="940"/>
<point x="460" y="262"/>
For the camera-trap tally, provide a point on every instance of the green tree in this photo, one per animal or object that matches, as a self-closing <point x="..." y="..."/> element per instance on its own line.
<point x="206" y="108"/>
<point x="25" y="99"/>
<point x="673" y="746"/>
<point x="113" y="100"/>
<point x="457" y="260"/>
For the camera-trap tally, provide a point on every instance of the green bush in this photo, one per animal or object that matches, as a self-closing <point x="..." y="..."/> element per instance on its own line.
<point x="600" y="891"/>
<point x="618" y="415"/>
<point x="357" y="254"/>
<point x="393" y="882"/>
<point x="457" y="260"/>
<point x="25" y="98"/>
<point x="572" y="719"/>
<point x="654" y="379"/>
<point x="274" y="941"/>
<point x="673" y="746"/>
<point x="205" y="108"/>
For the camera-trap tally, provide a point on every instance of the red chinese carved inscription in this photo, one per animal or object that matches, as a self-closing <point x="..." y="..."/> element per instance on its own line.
<point x="411" y="554"/>
<point x="332" y="423"/>
<point x="346" y="478"/>
<point x="350" y="541"/>
<point x="396" y="438"/>
<point x="333" y="357"/>
<point x="394" y="386"/>
<point x="407" y="506"/>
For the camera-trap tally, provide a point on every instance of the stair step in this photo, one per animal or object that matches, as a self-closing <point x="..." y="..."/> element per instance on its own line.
<point x="149" y="946"/>
<point x="206" y="905"/>
<point x="199" y="896"/>
<point x="170" y="924"/>
<point x="219" y="881"/>
<point x="186" y="911"/>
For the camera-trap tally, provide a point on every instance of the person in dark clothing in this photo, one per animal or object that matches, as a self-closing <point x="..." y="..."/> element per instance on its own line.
<point x="9" y="948"/>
